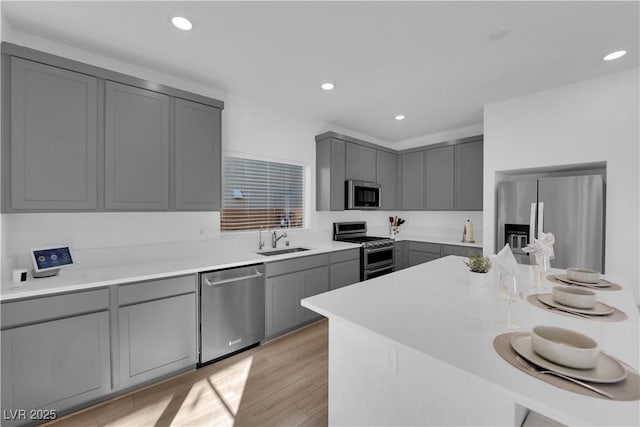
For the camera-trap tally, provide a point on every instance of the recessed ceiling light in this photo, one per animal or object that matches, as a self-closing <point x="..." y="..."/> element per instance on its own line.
<point x="615" y="55"/>
<point x="400" y="117"/>
<point x="181" y="23"/>
<point x="328" y="86"/>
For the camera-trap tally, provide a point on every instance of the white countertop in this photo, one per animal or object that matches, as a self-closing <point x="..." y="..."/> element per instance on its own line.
<point x="443" y="240"/>
<point x="434" y="309"/>
<point x="218" y="257"/>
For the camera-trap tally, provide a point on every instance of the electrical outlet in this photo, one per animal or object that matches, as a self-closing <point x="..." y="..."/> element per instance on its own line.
<point x="389" y="361"/>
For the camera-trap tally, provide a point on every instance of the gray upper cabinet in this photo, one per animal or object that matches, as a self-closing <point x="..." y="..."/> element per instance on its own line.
<point x="82" y="138"/>
<point x="412" y="194"/>
<point x="445" y="176"/>
<point x="361" y="162"/>
<point x="439" y="166"/>
<point x="469" y="174"/>
<point x="386" y="176"/>
<point x="197" y="156"/>
<point x="136" y="148"/>
<point x="330" y="174"/>
<point x="53" y="141"/>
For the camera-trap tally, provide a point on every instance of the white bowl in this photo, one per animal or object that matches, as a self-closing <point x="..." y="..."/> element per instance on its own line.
<point x="583" y="275"/>
<point x="574" y="296"/>
<point x="565" y="347"/>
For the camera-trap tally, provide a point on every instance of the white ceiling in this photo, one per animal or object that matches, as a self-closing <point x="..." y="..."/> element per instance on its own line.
<point x="432" y="61"/>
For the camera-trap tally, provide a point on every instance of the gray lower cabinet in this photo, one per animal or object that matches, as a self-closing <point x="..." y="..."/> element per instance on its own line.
<point x="387" y="178"/>
<point x="360" y="162"/>
<point x="344" y="268"/>
<point x="156" y="338"/>
<point x="439" y="175"/>
<point x="417" y="257"/>
<point x="136" y="148"/>
<point x="53" y="140"/>
<point x="157" y="332"/>
<point x="412" y="172"/>
<point x="421" y="252"/>
<point x="469" y="176"/>
<point x="402" y="255"/>
<point x="459" y="250"/>
<point x="330" y="174"/>
<point x="198" y="169"/>
<point x="56" y="364"/>
<point x="314" y="282"/>
<point x="287" y="283"/>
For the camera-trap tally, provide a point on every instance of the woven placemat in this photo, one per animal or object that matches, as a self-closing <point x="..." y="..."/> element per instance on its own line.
<point x="612" y="286"/>
<point x="627" y="389"/>
<point x="616" y="316"/>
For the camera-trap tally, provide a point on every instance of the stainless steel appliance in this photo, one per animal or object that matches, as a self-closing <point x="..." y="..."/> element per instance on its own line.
<point x="572" y="208"/>
<point x="361" y="195"/>
<point x="231" y="311"/>
<point x="377" y="255"/>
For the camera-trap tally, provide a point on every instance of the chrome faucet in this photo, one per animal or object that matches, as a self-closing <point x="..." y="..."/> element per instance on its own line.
<point x="260" y="241"/>
<point x="275" y="238"/>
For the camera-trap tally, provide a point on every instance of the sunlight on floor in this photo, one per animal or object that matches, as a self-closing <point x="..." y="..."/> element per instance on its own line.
<point x="215" y="397"/>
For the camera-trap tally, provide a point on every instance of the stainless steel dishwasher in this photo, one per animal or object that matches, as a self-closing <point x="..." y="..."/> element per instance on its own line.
<point x="231" y="311"/>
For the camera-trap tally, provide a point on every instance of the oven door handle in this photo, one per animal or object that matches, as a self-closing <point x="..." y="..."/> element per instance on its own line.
<point x="380" y="249"/>
<point x="386" y="267"/>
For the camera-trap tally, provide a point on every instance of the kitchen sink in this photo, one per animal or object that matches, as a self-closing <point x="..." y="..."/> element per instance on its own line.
<point x="282" y="251"/>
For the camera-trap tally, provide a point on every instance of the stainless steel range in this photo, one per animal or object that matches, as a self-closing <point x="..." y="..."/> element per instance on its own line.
<point x="377" y="256"/>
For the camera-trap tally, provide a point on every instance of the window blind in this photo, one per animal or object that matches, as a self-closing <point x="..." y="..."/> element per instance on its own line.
<point x="257" y="193"/>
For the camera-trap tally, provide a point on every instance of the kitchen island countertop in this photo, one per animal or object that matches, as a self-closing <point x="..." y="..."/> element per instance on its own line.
<point x="437" y="326"/>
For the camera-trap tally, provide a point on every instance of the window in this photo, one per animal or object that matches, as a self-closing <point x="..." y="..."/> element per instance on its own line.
<point x="257" y="193"/>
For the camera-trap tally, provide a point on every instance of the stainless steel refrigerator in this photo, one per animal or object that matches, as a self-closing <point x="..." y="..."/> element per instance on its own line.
<point x="572" y="208"/>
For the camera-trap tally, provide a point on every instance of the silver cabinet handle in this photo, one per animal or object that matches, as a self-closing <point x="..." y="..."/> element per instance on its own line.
<point x="233" y="279"/>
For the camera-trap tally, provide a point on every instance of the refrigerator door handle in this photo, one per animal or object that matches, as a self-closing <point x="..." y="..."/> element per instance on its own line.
<point x="532" y="223"/>
<point x="540" y="218"/>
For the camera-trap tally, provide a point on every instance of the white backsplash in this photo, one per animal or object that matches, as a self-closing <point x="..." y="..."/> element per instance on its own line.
<point x="115" y="238"/>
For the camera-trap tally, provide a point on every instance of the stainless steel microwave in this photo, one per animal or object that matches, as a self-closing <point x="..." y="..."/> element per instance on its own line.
<point x="361" y="195"/>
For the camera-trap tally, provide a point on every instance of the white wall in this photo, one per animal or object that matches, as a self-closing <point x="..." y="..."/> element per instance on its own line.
<point x="591" y="121"/>
<point x="246" y="128"/>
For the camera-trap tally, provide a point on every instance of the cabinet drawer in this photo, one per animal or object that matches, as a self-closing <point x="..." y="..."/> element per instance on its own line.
<point x="297" y="264"/>
<point x="145" y="291"/>
<point x="40" y="309"/>
<point x="425" y="247"/>
<point x="342" y="256"/>
<point x="459" y="250"/>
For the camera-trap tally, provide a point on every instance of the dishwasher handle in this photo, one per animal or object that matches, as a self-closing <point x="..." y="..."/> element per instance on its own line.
<point x="232" y="279"/>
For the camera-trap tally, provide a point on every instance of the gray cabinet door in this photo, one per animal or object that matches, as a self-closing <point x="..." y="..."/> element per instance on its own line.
<point x="283" y="300"/>
<point x="344" y="273"/>
<point x="53" y="138"/>
<point x="417" y="257"/>
<point x="197" y="161"/>
<point x="157" y="338"/>
<point x="412" y="181"/>
<point x="315" y="281"/>
<point x="386" y="176"/>
<point x="338" y="174"/>
<point x="57" y="364"/>
<point x="469" y="164"/>
<point x="136" y="148"/>
<point x="361" y="162"/>
<point x="459" y="250"/>
<point x="402" y="255"/>
<point x="438" y="172"/>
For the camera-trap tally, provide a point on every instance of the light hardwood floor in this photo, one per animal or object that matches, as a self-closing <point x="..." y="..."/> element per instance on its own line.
<point x="281" y="383"/>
